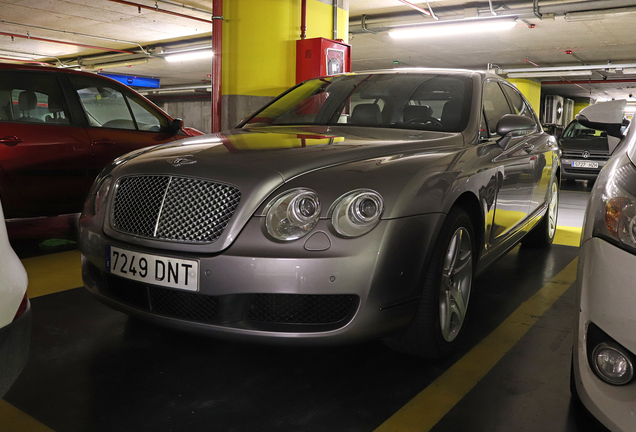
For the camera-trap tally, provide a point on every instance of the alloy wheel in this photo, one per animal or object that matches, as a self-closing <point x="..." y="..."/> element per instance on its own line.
<point x="457" y="275"/>
<point x="552" y="210"/>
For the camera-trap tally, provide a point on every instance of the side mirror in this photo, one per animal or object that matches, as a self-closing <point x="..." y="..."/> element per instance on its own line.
<point x="604" y="116"/>
<point x="512" y="124"/>
<point x="175" y="126"/>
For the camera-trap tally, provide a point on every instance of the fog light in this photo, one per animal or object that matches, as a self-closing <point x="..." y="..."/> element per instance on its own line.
<point x="611" y="365"/>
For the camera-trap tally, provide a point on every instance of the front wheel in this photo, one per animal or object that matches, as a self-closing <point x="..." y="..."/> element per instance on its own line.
<point x="543" y="233"/>
<point x="446" y="288"/>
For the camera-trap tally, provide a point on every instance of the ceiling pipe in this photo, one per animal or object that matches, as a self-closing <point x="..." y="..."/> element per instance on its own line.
<point x="397" y="19"/>
<point x="140" y="6"/>
<point x="175" y="89"/>
<point x="185" y="6"/>
<point x="417" y="8"/>
<point x="535" y="9"/>
<point x="613" y="81"/>
<point x="217" y="66"/>
<point x="569" y="68"/>
<point x="303" y="19"/>
<point x="74" y="34"/>
<point x="335" y="19"/>
<point x="32" y="54"/>
<point x="28" y="36"/>
<point x="25" y="61"/>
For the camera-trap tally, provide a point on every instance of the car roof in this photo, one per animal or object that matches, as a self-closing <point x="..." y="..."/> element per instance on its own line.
<point x="42" y="68"/>
<point x="417" y="70"/>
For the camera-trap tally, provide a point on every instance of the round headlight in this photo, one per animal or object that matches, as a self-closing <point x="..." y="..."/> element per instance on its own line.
<point x="102" y="193"/>
<point x="611" y="365"/>
<point x="357" y="212"/>
<point x="293" y="214"/>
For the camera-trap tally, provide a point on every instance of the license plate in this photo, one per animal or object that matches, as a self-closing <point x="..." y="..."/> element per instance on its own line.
<point x="584" y="164"/>
<point x="153" y="269"/>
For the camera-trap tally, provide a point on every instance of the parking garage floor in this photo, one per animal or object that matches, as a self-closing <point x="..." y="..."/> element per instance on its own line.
<point x="94" y="369"/>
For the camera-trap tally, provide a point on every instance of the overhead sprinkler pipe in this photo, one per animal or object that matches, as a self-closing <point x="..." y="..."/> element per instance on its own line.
<point x="157" y="9"/>
<point x="417" y="8"/>
<point x="217" y="66"/>
<point x="25" y="61"/>
<point x="28" y="36"/>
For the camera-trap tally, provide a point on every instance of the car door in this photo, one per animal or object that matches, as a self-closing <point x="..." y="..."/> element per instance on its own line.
<point x="514" y="167"/>
<point x="118" y="120"/>
<point x="537" y="145"/>
<point x="44" y="155"/>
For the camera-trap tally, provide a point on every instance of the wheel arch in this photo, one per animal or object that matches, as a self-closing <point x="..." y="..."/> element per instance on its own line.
<point x="470" y="204"/>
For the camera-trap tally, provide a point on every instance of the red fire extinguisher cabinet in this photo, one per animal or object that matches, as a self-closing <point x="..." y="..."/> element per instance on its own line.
<point x="319" y="57"/>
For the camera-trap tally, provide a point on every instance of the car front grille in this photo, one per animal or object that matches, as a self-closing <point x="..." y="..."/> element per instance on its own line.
<point x="300" y="308"/>
<point x="591" y="171"/>
<point x="592" y="155"/>
<point x="179" y="209"/>
<point x="161" y="301"/>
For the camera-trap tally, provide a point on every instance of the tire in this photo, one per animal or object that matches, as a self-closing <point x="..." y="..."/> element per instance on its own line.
<point x="439" y="321"/>
<point x="573" y="391"/>
<point x="542" y="235"/>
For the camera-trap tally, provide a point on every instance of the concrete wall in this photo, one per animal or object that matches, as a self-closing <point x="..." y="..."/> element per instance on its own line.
<point x="196" y="114"/>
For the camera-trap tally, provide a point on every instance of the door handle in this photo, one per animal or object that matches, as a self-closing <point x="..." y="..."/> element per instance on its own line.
<point x="104" y="142"/>
<point x="528" y="148"/>
<point x="10" y="140"/>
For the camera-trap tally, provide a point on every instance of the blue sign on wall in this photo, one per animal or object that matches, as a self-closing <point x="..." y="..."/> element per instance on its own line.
<point x="134" y="81"/>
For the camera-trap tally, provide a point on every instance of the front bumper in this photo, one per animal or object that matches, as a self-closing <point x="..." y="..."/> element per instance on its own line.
<point x="14" y="349"/>
<point x="605" y="290"/>
<point x="570" y="173"/>
<point x="258" y="289"/>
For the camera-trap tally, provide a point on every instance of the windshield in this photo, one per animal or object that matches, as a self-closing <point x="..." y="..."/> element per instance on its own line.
<point x="577" y="130"/>
<point x="396" y="100"/>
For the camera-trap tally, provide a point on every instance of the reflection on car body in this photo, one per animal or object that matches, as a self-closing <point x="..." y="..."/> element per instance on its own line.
<point x="351" y="207"/>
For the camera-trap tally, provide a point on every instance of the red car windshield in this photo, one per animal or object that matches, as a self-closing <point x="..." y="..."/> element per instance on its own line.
<point x="396" y="100"/>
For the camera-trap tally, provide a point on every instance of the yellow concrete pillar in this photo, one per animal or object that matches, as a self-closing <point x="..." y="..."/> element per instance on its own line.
<point x="531" y="90"/>
<point x="578" y="106"/>
<point x="259" y="48"/>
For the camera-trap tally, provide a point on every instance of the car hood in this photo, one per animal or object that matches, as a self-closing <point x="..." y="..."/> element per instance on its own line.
<point x="290" y="151"/>
<point x="259" y="160"/>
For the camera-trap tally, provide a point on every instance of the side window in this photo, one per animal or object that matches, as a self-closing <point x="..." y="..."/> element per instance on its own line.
<point x="495" y="106"/>
<point x="106" y="106"/>
<point x="147" y="118"/>
<point x="517" y="101"/>
<point x="32" y="98"/>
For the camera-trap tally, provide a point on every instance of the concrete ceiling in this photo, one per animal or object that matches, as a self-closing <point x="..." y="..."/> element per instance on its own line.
<point x="126" y="24"/>
<point x="598" y="39"/>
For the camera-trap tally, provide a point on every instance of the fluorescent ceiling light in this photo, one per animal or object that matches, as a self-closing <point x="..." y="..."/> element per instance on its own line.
<point x="115" y="64"/>
<point x="549" y="74"/>
<point x="600" y="15"/>
<point x="453" y="28"/>
<point x="190" y="55"/>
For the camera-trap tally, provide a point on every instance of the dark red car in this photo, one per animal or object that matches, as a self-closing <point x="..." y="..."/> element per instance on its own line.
<point x="60" y="127"/>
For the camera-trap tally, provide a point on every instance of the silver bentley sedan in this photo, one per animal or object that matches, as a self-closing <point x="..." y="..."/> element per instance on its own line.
<point x="351" y="207"/>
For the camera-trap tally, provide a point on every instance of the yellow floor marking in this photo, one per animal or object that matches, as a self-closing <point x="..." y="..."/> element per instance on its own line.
<point x="567" y="236"/>
<point x="14" y="420"/>
<point x="53" y="273"/>
<point x="435" y="401"/>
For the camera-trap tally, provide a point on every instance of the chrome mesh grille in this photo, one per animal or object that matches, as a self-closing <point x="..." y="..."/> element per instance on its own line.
<point x="177" y="209"/>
